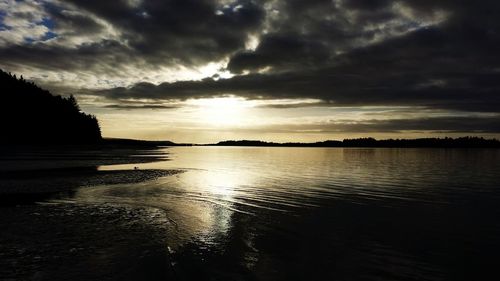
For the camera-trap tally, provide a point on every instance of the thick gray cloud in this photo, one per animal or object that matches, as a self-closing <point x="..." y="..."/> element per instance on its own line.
<point x="342" y="86"/>
<point x="173" y="31"/>
<point x="91" y="33"/>
<point x="308" y="34"/>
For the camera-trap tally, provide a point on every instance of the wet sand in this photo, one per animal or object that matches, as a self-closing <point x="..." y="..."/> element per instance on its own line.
<point x="28" y="174"/>
<point x="44" y="238"/>
<point x="61" y="241"/>
<point x="22" y="187"/>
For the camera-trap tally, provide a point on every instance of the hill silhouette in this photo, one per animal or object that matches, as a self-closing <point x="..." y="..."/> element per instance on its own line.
<point x="32" y="115"/>
<point x="467" y="142"/>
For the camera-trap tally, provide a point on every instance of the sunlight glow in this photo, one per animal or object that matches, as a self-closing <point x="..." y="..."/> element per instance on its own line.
<point x="216" y="70"/>
<point x="222" y="112"/>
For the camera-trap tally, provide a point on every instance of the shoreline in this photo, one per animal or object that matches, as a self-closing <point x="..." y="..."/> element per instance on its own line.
<point x="31" y="158"/>
<point x="25" y="188"/>
<point x="30" y="175"/>
<point x="46" y="239"/>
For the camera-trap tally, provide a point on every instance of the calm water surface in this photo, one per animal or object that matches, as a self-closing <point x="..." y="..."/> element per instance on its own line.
<point x="242" y="213"/>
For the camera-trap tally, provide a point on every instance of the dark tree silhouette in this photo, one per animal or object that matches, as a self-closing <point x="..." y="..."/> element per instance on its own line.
<point x="466" y="142"/>
<point x="32" y="115"/>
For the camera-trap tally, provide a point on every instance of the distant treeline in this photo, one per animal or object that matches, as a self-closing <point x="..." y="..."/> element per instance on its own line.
<point x="32" y="115"/>
<point x="371" y="142"/>
<point x="138" y="143"/>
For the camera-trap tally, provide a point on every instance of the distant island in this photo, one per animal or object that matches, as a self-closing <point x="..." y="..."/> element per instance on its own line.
<point x="32" y="115"/>
<point x="465" y="142"/>
<point x="139" y="143"/>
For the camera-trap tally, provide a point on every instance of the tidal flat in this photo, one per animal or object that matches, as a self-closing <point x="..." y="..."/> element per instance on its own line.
<point x="47" y="238"/>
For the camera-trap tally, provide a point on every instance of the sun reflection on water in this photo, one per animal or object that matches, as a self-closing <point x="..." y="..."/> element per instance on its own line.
<point x="199" y="203"/>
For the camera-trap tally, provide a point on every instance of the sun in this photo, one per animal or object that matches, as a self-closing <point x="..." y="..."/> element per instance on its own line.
<point x="222" y="112"/>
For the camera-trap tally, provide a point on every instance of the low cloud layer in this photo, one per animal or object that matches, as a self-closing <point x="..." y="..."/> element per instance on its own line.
<point x="436" y="124"/>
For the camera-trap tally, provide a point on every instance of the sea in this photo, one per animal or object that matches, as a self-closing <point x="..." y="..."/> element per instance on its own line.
<point x="257" y="213"/>
<point x="271" y="213"/>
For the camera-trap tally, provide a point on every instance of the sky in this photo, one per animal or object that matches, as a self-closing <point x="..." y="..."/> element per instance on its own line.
<point x="202" y="71"/>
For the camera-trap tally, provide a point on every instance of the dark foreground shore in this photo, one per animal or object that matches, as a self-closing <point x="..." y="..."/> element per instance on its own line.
<point x="44" y="237"/>
<point x="64" y="241"/>
<point x="28" y="174"/>
<point x="25" y="187"/>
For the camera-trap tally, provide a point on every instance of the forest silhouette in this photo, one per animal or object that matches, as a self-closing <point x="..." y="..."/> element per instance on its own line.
<point x="32" y="115"/>
<point x="465" y="142"/>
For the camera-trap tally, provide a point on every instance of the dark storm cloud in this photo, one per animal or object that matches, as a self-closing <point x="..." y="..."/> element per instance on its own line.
<point x="86" y="57"/>
<point x="308" y="34"/>
<point x="317" y="27"/>
<point x="186" y="31"/>
<point x="356" y="21"/>
<point x="73" y="23"/>
<point x="154" y="32"/>
<point x="367" y="4"/>
<point x="282" y="51"/>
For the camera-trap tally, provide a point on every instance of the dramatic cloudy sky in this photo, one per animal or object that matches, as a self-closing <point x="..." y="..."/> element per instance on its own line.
<point x="280" y="70"/>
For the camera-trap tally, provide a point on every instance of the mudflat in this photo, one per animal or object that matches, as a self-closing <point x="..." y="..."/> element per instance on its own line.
<point x="43" y="238"/>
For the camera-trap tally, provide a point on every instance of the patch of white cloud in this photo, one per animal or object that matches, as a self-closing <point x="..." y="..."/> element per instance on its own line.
<point x="81" y="81"/>
<point x="252" y="42"/>
<point x="134" y="3"/>
<point x="216" y="70"/>
<point x="406" y="22"/>
<point x="22" y="22"/>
